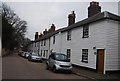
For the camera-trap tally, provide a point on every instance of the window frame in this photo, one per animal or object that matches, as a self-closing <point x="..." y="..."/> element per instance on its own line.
<point x="35" y="44"/>
<point x="68" y="35"/>
<point x="54" y="39"/>
<point x="85" y="31"/>
<point x="38" y="43"/>
<point x="85" y="55"/>
<point x="41" y="53"/>
<point x="68" y="53"/>
<point x="44" y="54"/>
<point x="44" y="42"/>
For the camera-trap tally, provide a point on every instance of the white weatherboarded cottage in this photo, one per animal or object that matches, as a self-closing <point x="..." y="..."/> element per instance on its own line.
<point x="90" y="43"/>
<point x="93" y="42"/>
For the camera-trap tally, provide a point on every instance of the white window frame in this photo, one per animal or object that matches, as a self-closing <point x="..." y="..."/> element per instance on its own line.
<point x="54" y="39"/>
<point x="68" y="53"/>
<point x="86" y="31"/>
<point x="85" y="55"/>
<point x="44" y="42"/>
<point x="69" y="35"/>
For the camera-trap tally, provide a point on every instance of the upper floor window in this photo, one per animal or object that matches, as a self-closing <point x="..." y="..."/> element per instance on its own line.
<point x="54" y="39"/>
<point x="44" y="42"/>
<point x="85" y="55"/>
<point x="35" y="44"/>
<point x="38" y="44"/>
<point x="69" y="35"/>
<point x="86" y="31"/>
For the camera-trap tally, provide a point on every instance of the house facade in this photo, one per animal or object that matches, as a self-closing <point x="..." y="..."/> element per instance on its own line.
<point x="99" y="50"/>
<point x="91" y="43"/>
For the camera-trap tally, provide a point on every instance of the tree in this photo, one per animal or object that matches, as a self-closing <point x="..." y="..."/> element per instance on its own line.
<point x="13" y="28"/>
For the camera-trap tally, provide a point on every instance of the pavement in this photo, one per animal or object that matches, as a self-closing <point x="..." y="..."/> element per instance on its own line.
<point x="90" y="74"/>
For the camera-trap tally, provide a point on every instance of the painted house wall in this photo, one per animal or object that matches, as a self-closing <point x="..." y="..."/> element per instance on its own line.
<point x="34" y="47"/>
<point x="119" y="37"/>
<point x="45" y="49"/>
<point x="103" y="34"/>
<point x="57" y="46"/>
<point x="38" y="47"/>
<point x="30" y="47"/>
<point x="112" y="45"/>
<point x="97" y="38"/>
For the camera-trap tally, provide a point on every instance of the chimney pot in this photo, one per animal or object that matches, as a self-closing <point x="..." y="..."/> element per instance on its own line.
<point x="52" y="29"/>
<point x="36" y="36"/>
<point x="40" y="35"/>
<point x="94" y="8"/>
<point x="45" y="32"/>
<point x="71" y="18"/>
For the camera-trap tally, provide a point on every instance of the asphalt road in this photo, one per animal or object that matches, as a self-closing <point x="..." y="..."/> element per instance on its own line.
<point x="16" y="67"/>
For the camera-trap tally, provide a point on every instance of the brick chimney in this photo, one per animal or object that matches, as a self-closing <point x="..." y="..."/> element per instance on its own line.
<point x="71" y="18"/>
<point x="94" y="8"/>
<point x="45" y="32"/>
<point x="40" y="35"/>
<point x="52" y="29"/>
<point x="36" y="36"/>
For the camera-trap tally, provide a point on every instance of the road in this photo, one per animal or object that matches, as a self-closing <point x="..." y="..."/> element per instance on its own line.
<point x="16" y="67"/>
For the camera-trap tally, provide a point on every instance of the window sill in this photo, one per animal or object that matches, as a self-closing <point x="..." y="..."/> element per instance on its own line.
<point x="84" y="61"/>
<point x="68" y="39"/>
<point x="86" y="37"/>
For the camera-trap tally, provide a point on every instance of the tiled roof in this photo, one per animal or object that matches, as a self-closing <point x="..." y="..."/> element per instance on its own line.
<point x="97" y="17"/>
<point x="49" y="34"/>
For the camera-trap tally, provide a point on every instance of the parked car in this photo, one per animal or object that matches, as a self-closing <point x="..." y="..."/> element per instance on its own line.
<point x="34" y="57"/>
<point x="58" y="61"/>
<point x="23" y="54"/>
<point x="27" y="54"/>
<point x="20" y="53"/>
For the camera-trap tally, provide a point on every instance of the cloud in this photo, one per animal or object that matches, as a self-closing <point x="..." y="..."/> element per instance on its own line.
<point x="40" y="15"/>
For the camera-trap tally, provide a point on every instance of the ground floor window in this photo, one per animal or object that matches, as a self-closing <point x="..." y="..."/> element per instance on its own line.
<point x="85" y="55"/>
<point x="41" y="53"/>
<point x="68" y="53"/>
<point x="44" y="54"/>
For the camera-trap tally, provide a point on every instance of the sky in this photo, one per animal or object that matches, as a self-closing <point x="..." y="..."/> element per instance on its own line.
<point x="41" y="14"/>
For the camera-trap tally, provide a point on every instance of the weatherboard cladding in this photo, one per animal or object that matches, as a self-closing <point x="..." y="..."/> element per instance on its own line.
<point x="97" y="17"/>
<point x="49" y="34"/>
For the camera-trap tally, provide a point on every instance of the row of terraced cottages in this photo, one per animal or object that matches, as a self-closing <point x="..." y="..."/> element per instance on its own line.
<point x="91" y="43"/>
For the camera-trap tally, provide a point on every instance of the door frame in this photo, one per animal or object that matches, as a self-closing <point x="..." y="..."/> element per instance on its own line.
<point x="103" y="72"/>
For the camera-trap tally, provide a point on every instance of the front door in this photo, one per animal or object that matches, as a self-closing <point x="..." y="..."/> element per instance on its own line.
<point x="100" y="60"/>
